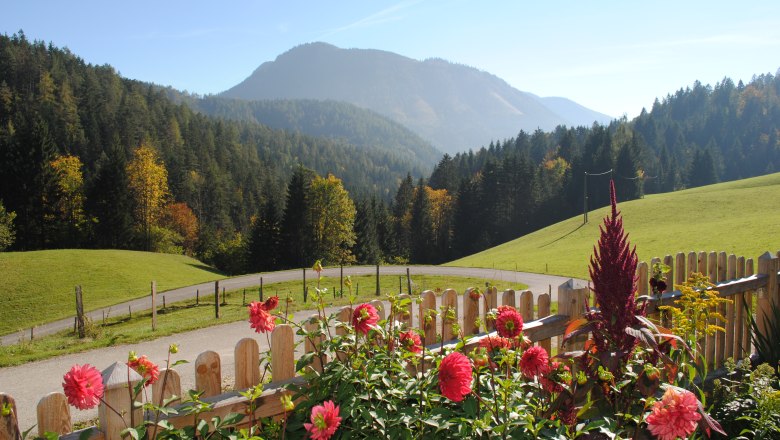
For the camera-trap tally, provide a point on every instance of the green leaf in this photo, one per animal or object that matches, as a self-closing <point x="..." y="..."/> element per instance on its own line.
<point x="132" y="432"/>
<point x="233" y="418"/>
<point x="179" y="362"/>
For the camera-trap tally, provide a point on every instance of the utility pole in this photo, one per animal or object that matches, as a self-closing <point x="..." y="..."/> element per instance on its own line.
<point x="585" y="198"/>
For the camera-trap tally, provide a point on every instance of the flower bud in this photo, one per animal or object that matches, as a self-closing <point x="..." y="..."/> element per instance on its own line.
<point x="131" y="356"/>
<point x="173" y="348"/>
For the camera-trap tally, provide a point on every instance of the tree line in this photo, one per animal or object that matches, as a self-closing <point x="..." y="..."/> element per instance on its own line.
<point x="89" y="159"/>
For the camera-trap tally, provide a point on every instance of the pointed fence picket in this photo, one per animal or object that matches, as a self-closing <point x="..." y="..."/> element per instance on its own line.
<point x="439" y="319"/>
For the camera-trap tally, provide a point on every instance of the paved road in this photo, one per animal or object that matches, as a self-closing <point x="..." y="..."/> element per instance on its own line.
<point x="29" y="382"/>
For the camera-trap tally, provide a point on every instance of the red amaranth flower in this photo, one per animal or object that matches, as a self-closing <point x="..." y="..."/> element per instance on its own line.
<point x="553" y="379"/>
<point x="83" y="386"/>
<point x="535" y="362"/>
<point x="364" y="317"/>
<point x="509" y="323"/>
<point x="324" y="421"/>
<point x="455" y="376"/>
<point x="146" y="368"/>
<point x="613" y="272"/>
<point x="675" y="415"/>
<point x="259" y="317"/>
<point x="410" y="341"/>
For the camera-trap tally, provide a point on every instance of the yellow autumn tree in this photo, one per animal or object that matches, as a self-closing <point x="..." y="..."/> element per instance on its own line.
<point x="331" y="218"/>
<point x="148" y="180"/>
<point x="68" y="202"/>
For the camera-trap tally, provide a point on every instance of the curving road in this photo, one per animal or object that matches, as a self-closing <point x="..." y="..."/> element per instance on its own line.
<point x="28" y="383"/>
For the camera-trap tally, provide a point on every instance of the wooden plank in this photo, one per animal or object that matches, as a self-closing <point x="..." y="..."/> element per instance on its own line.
<point x="405" y="316"/>
<point x="746" y="342"/>
<point x="449" y="303"/>
<point x="116" y="379"/>
<point x="344" y="316"/>
<point x="526" y="308"/>
<point x="508" y="298"/>
<point x="428" y="321"/>
<point x="470" y="312"/>
<point x="490" y="299"/>
<point x="311" y="344"/>
<point x="693" y="267"/>
<point x="763" y="311"/>
<point x="712" y="274"/>
<point x="170" y="379"/>
<point x="154" y="306"/>
<point x="54" y="414"/>
<point x="731" y="322"/>
<point x="720" y="337"/>
<point x="669" y="278"/>
<point x="9" y="425"/>
<point x="543" y="312"/>
<point x="282" y="353"/>
<point x="208" y="373"/>
<point x="247" y="363"/>
<point x="679" y="271"/>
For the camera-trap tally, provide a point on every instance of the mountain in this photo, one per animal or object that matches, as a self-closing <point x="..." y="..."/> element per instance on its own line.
<point x="455" y="107"/>
<point x="339" y="121"/>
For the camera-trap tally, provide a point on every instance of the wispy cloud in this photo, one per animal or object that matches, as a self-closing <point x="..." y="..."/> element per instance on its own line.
<point x="386" y="15"/>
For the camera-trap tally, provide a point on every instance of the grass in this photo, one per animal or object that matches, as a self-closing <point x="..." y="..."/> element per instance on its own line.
<point x="39" y="286"/>
<point x="186" y="316"/>
<point x="737" y="217"/>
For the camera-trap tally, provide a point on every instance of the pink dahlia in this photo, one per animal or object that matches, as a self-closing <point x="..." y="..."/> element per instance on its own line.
<point x="146" y="368"/>
<point x="455" y="376"/>
<point x="410" y="341"/>
<point x="364" y="317"/>
<point x="83" y="386"/>
<point x="324" y="421"/>
<point x="259" y="317"/>
<point x="535" y="362"/>
<point x="675" y="415"/>
<point x="509" y="323"/>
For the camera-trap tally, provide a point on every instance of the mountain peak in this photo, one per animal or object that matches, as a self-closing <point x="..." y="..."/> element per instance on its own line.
<point x="454" y="106"/>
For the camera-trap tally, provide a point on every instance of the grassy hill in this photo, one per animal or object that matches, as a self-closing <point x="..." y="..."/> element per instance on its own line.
<point x="39" y="286"/>
<point x="740" y="217"/>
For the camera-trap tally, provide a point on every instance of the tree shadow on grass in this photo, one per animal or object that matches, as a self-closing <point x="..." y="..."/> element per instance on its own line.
<point x="563" y="236"/>
<point x="206" y="268"/>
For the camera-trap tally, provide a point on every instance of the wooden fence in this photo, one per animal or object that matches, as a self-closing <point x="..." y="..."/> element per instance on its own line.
<point x="734" y="277"/>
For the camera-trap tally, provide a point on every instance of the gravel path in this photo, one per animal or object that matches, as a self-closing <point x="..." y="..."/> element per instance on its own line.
<point x="30" y="382"/>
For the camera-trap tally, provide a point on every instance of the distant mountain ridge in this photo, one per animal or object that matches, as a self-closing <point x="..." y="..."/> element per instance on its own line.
<point x="453" y="106"/>
<point x="336" y="120"/>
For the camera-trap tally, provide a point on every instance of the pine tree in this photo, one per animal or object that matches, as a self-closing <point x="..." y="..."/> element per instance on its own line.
<point x="295" y="236"/>
<point x="402" y="216"/>
<point x="367" y="250"/>
<point x="108" y="202"/>
<point x="265" y="239"/>
<point x="421" y="224"/>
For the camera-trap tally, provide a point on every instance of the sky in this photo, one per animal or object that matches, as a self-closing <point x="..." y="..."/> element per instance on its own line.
<point x="615" y="57"/>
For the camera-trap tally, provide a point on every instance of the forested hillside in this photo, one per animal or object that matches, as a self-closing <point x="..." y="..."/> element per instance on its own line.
<point x="329" y="119"/>
<point x="70" y="136"/>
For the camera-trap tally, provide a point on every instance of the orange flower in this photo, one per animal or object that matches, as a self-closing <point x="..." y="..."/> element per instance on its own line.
<point x="146" y="368"/>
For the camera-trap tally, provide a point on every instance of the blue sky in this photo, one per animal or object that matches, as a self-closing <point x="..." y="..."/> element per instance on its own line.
<point x="611" y="56"/>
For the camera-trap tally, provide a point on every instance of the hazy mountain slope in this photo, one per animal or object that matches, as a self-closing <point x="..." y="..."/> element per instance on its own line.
<point x="336" y="120"/>
<point x="454" y="106"/>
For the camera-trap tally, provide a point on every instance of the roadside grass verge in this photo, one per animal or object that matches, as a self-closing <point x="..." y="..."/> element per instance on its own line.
<point x="186" y="315"/>
<point x="737" y="217"/>
<point x="39" y="286"/>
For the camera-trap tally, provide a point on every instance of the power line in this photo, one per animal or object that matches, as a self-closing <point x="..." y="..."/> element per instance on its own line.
<point x="585" y="190"/>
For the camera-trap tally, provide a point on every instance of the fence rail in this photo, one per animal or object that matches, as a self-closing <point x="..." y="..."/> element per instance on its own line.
<point x="734" y="278"/>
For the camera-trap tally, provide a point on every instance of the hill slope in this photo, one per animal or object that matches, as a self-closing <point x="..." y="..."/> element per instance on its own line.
<point x="735" y="217"/>
<point x="39" y="286"/>
<point x="339" y="121"/>
<point x="454" y="106"/>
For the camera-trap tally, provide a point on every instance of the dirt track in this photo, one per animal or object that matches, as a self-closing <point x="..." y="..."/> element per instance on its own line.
<point x="29" y="382"/>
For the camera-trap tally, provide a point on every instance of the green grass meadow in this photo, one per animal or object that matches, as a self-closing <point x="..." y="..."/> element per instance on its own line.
<point x="741" y="217"/>
<point x="39" y="286"/>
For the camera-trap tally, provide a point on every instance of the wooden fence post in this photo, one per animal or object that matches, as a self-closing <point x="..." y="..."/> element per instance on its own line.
<point x="9" y="425"/>
<point x="428" y="317"/>
<point x="449" y="301"/>
<point x="79" y="313"/>
<point x="216" y="299"/>
<point x="508" y="299"/>
<point x="154" y="306"/>
<point x="247" y="363"/>
<point x="489" y="303"/>
<point x="116" y="379"/>
<point x="720" y="337"/>
<point x="406" y="311"/>
<point x="282" y="353"/>
<point x="378" y="292"/>
<point x="731" y="322"/>
<point x="526" y="308"/>
<point x="53" y="414"/>
<point x="208" y="373"/>
<point x="767" y="265"/>
<point x="172" y="381"/>
<point x="746" y="342"/>
<point x="543" y="312"/>
<point x="313" y="343"/>
<point x="571" y="302"/>
<point x="408" y="282"/>
<point x="470" y="311"/>
<point x="345" y="316"/>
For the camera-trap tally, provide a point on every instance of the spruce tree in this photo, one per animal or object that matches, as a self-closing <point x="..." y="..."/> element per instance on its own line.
<point x="421" y="225"/>
<point x="295" y="236"/>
